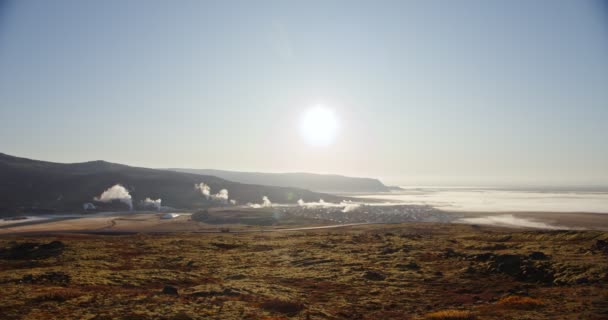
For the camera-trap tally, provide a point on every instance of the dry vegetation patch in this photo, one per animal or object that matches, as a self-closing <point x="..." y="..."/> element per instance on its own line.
<point x="59" y="295"/>
<point x="450" y="315"/>
<point x="401" y="271"/>
<point x="518" y="302"/>
<point x="282" y="306"/>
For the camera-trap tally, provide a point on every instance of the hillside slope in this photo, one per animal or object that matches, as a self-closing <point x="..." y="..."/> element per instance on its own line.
<point x="309" y="181"/>
<point x="31" y="185"/>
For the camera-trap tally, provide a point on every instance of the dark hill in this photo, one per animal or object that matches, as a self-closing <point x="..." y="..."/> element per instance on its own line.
<point x="310" y="181"/>
<point x="29" y="185"/>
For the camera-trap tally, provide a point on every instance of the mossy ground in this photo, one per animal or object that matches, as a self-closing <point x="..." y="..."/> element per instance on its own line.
<point x="364" y="272"/>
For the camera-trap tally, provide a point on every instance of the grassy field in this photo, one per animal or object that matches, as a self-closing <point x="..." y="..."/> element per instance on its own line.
<point x="404" y="271"/>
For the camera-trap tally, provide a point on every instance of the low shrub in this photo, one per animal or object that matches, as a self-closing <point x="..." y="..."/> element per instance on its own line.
<point x="518" y="302"/>
<point x="450" y="315"/>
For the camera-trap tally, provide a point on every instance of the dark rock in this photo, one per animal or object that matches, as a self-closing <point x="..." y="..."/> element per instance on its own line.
<point x="537" y="255"/>
<point x="521" y="269"/>
<point x="282" y="306"/>
<point x="59" y="278"/>
<point x="374" y="275"/>
<point x="482" y="256"/>
<point x="601" y="245"/>
<point x="536" y="273"/>
<point x="508" y="263"/>
<point x="32" y="250"/>
<point x="389" y="250"/>
<point x="450" y="253"/>
<point x="171" y="290"/>
<point x="408" y="266"/>
<point x="496" y="246"/>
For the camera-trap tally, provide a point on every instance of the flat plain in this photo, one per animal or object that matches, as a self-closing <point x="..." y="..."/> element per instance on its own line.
<point x="391" y="271"/>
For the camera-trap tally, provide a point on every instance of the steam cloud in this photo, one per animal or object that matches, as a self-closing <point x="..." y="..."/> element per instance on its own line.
<point x="204" y="189"/>
<point x="265" y="203"/>
<point x="347" y="206"/>
<point x="149" y="203"/>
<point x="116" y="192"/>
<point x="221" y="196"/>
<point x="350" y="206"/>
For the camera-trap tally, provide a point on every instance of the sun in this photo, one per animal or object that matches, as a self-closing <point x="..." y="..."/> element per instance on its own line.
<point x="319" y="126"/>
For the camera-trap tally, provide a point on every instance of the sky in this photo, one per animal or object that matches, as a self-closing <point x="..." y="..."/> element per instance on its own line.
<point x="423" y="92"/>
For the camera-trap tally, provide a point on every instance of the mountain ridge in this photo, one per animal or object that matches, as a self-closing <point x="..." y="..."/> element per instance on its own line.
<point x="311" y="181"/>
<point x="31" y="185"/>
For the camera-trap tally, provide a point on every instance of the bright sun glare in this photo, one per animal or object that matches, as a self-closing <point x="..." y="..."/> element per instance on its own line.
<point x="319" y="126"/>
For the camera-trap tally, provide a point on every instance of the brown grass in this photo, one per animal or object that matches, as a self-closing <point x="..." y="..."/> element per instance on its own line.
<point x="450" y="315"/>
<point x="518" y="302"/>
<point x="279" y="276"/>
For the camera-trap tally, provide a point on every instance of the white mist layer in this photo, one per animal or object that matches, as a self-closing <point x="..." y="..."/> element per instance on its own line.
<point x="116" y="192"/>
<point x="508" y="220"/>
<point x="488" y="200"/>
<point x="346" y="205"/>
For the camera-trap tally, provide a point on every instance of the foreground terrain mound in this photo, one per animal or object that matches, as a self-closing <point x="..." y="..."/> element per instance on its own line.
<point x="400" y="271"/>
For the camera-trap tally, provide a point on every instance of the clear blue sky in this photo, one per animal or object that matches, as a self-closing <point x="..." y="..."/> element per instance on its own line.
<point x="426" y="92"/>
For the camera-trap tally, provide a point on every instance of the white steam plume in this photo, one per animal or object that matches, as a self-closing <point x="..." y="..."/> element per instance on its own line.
<point x="265" y="203"/>
<point x="204" y="189"/>
<point x="348" y="207"/>
<point x="116" y="192"/>
<point x="149" y="203"/>
<point x="221" y="196"/>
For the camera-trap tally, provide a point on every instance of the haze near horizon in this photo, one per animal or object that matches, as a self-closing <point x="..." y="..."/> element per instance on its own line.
<point x="468" y="93"/>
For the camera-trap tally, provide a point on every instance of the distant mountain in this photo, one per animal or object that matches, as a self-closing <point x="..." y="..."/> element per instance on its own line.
<point x="30" y="185"/>
<point x="309" y="181"/>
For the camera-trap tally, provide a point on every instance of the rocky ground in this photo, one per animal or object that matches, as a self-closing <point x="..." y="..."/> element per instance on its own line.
<point x="399" y="271"/>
